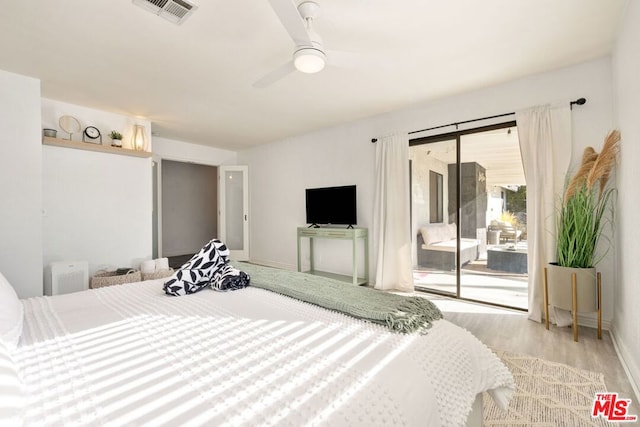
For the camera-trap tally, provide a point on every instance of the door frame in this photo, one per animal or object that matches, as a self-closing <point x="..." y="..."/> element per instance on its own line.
<point x="157" y="203"/>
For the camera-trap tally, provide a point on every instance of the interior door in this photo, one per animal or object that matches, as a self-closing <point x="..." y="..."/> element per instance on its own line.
<point x="233" y="203"/>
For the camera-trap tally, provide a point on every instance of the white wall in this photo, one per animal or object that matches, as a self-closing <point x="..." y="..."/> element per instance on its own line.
<point x="626" y="317"/>
<point x="96" y="206"/>
<point x="20" y="183"/>
<point x="280" y="171"/>
<point x="181" y="151"/>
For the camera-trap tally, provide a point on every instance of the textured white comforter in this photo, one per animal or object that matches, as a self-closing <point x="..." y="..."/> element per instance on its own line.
<point x="130" y="355"/>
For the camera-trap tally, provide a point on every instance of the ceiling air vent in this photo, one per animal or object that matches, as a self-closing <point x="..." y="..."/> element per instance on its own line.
<point x="175" y="11"/>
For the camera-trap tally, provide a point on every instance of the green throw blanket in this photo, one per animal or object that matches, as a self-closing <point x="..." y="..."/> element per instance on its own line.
<point x="399" y="313"/>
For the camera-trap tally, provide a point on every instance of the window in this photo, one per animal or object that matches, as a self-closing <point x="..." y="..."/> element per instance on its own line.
<point x="435" y="197"/>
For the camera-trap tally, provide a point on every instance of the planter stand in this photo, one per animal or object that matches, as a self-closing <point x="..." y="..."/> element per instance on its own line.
<point x="574" y="303"/>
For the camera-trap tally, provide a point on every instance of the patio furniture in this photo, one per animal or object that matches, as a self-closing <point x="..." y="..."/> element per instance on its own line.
<point x="437" y="247"/>
<point x="493" y="237"/>
<point x="506" y="259"/>
<point x="508" y="233"/>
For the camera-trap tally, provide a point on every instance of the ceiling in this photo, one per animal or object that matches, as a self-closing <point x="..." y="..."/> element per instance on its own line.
<point x="498" y="151"/>
<point x="194" y="81"/>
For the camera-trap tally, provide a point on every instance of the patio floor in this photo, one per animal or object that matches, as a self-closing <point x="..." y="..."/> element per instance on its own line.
<point x="477" y="283"/>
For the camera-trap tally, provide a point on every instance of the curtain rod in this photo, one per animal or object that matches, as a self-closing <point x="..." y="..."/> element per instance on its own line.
<point x="579" y="101"/>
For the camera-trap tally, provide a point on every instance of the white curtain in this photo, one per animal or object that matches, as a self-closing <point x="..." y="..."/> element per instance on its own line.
<point x="545" y="144"/>
<point x="391" y="216"/>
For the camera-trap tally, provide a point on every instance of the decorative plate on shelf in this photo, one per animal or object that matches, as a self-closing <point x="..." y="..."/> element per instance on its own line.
<point x="70" y="125"/>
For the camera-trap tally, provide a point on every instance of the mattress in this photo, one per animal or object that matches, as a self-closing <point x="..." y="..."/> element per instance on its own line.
<point x="131" y="355"/>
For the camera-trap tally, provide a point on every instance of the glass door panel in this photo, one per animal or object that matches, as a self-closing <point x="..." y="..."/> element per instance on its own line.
<point x="433" y="215"/>
<point x="233" y="203"/>
<point x="493" y="248"/>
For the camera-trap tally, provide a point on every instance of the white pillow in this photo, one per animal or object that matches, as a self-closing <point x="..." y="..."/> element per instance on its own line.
<point x="453" y="230"/>
<point x="11" y="314"/>
<point x="434" y="233"/>
<point x="11" y="397"/>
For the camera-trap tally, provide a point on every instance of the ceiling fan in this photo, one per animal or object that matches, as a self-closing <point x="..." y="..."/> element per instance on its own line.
<point x="309" y="55"/>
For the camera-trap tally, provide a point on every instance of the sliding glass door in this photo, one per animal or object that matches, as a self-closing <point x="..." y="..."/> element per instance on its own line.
<point x="469" y="215"/>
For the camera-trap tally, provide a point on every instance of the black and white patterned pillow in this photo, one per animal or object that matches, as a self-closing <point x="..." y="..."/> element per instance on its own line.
<point x="229" y="278"/>
<point x="198" y="272"/>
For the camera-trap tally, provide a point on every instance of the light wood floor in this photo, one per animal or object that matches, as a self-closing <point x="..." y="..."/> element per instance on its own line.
<point x="512" y="331"/>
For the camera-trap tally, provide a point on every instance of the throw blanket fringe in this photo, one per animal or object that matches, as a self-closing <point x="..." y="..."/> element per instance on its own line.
<point x="399" y="313"/>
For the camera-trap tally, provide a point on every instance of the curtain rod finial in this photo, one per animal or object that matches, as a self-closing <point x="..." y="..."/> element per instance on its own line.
<point x="374" y="140"/>
<point x="579" y="101"/>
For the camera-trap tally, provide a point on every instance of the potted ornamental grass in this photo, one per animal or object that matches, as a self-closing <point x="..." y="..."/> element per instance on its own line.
<point x="587" y="207"/>
<point x="583" y="219"/>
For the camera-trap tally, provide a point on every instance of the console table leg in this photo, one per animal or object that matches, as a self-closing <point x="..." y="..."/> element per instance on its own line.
<point x="299" y="260"/>
<point x="355" y="262"/>
<point x="366" y="260"/>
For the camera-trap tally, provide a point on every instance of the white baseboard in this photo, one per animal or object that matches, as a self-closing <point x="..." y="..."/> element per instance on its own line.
<point x="628" y="363"/>
<point x="588" y="321"/>
<point x="592" y="322"/>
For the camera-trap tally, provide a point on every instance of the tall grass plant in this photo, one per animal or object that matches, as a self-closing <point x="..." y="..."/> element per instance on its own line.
<point x="587" y="207"/>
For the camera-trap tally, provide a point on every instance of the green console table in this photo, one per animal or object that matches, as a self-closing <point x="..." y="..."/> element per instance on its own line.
<point x="352" y="234"/>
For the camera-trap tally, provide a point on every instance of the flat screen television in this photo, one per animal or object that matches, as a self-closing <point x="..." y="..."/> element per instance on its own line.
<point x="331" y="205"/>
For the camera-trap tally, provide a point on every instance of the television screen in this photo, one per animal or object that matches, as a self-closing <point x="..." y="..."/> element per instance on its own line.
<point x="332" y="205"/>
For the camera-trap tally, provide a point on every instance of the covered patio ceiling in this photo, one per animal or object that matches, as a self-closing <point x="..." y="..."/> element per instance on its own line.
<point x="498" y="151"/>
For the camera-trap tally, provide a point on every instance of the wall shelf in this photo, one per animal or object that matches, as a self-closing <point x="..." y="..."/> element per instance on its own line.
<point x="57" y="142"/>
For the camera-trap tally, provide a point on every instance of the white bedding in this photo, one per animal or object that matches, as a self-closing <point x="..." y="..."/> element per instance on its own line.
<point x="130" y="355"/>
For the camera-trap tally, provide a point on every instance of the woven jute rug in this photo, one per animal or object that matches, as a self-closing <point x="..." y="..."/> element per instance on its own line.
<point x="548" y="394"/>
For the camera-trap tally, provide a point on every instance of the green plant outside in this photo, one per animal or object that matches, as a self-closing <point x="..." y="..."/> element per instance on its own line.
<point x="517" y="200"/>
<point x="580" y="225"/>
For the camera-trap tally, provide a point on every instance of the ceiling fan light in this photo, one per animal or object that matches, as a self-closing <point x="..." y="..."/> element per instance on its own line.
<point x="309" y="60"/>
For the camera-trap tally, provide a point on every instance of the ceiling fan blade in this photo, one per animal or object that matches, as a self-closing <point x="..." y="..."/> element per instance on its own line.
<point x="288" y="13"/>
<point x="275" y="75"/>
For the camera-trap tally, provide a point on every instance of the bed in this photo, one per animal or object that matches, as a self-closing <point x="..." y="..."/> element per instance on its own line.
<point x="131" y="355"/>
